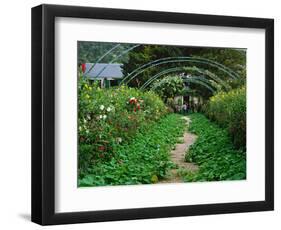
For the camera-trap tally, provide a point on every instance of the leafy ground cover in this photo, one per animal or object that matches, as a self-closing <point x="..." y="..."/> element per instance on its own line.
<point x="214" y="153"/>
<point x="144" y="160"/>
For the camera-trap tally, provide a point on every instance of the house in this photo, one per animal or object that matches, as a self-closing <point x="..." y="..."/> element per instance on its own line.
<point x="108" y="74"/>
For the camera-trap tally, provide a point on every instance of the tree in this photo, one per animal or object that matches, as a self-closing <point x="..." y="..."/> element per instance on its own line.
<point x="145" y="54"/>
<point x="169" y="87"/>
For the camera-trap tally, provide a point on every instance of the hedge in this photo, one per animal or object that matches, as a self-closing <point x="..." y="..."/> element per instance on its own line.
<point x="228" y="109"/>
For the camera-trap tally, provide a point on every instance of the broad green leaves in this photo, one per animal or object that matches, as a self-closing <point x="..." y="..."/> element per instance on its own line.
<point x="214" y="153"/>
<point x="144" y="160"/>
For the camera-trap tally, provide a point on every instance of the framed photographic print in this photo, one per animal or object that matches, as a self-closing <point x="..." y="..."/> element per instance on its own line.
<point x="142" y="114"/>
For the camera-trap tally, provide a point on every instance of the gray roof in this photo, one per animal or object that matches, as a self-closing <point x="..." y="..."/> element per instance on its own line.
<point x="108" y="71"/>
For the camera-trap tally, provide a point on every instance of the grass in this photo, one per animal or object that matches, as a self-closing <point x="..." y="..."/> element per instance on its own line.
<point x="145" y="160"/>
<point x="214" y="153"/>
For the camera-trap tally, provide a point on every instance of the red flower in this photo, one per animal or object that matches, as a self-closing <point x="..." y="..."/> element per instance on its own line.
<point x="101" y="148"/>
<point x="138" y="106"/>
<point x="133" y="100"/>
<point x="83" y="66"/>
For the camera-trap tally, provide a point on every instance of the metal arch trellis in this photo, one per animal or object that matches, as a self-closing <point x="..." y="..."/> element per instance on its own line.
<point x="164" y="62"/>
<point x="202" y="81"/>
<point x="106" y="53"/>
<point x="213" y="77"/>
<point x="197" y="80"/>
<point x="178" y="59"/>
<point x="161" y="61"/>
<point x="116" y="58"/>
<point x="176" y="69"/>
<point x="156" y="76"/>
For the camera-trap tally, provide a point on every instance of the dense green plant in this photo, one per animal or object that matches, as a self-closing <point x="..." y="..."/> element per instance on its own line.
<point x="111" y="117"/>
<point x="214" y="153"/>
<point x="143" y="160"/>
<point x="168" y="87"/>
<point x="229" y="111"/>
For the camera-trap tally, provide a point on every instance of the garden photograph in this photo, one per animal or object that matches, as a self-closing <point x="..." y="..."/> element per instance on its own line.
<point x="157" y="114"/>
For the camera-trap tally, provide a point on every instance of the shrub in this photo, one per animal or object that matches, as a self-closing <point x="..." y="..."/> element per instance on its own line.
<point x="168" y="87"/>
<point x="229" y="111"/>
<point x="111" y="117"/>
<point x="214" y="152"/>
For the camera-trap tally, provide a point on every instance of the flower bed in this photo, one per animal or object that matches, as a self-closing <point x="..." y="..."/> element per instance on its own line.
<point x="111" y="117"/>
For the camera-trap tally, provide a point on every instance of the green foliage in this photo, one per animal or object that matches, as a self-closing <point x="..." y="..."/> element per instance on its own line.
<point x="229" y="111"/>
<point x="214" y="152"/>
<point x="111" y="117"/>
<point x="234" y="59"/>
<point x="168" y="87"/>
<point x="147" y="53"/>
<point x="143" y="160"/>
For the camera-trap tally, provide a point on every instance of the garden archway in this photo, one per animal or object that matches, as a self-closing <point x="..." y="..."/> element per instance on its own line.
<point x="204" y="73"/>
<point x="178" y="59"/>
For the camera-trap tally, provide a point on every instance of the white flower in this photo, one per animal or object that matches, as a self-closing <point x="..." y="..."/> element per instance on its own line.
<point x="100" y="116"/>
<point x="104" y="116"/>
<point x="119" y="139"/>
<point x="102" y="107"/>
<point x="108" y="109"/>
<point x="88" y="117"/>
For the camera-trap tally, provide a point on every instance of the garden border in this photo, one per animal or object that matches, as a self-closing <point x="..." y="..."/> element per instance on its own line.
<point x="43" y="114"/>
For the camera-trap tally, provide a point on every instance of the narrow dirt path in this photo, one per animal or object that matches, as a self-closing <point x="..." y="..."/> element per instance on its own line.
<point x="178" y="154"/>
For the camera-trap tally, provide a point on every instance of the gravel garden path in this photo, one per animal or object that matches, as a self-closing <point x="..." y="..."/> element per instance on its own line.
<point x="178" y="154"/>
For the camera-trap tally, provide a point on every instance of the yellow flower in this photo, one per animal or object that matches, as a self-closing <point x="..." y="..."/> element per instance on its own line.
<point x="154" y="179"/>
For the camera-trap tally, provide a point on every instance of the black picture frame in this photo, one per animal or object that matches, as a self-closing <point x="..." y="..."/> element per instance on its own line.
<point x="43" y="114"/>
